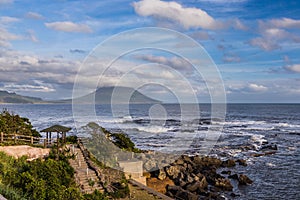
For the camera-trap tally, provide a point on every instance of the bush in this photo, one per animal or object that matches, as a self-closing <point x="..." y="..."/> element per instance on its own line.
<point x="11" y="124"/>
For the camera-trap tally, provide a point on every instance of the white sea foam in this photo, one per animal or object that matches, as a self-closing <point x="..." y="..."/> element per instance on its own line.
<point x="270" y="165"/>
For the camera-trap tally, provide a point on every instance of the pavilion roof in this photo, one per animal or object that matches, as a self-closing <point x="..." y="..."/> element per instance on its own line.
<point x="56" y="128"/>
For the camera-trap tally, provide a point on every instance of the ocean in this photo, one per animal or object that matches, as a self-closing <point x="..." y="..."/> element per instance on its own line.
<point x="246" y="130"/>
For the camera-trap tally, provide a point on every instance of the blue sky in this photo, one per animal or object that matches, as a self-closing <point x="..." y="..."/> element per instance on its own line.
<point x="255" y="44"/>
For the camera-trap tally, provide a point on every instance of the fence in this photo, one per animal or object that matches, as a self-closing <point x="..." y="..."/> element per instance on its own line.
<point x="24" y="139"/>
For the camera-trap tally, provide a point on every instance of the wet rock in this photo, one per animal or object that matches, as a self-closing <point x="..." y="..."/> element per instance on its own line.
<point x="242" y="162"/>
<point x="269" y="147"/>
<point x="226" y="172"/>
<point x="234" y="176"/>
<point x="228" y="163"/>
<point x="244" y="180"/>
<point x="233" y="195"/>
<point x="263" y="154"/>
<point x="224" y="184"/>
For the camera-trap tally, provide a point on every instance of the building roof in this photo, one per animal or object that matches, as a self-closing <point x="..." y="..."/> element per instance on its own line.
<point x="56" y="128"/>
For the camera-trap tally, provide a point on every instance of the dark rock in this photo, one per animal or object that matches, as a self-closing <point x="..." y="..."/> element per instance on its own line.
<point x="189" y="178"/>
<point x="186" y="159"/>
<point x="242" y="162"/>
<point x="226" y="172"/>
<point x="192" y="187"/>
<point x="263" y="154"/>
<point x="233" y="195"/>
<point x="269" y="147"/>
<point x="177" y="192"/>
<point x="244" y="180"/>
<point x="228" y="163"/>
<point x="224" y="184"/>
<point x="180" y="161"/>
<point x="234" y="176"/>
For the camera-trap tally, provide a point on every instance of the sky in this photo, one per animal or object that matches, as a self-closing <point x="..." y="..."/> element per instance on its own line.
<point x="254" y="45"/>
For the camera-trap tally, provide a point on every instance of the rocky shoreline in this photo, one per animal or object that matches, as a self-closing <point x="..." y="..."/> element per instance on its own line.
<point x="197" y="177"/>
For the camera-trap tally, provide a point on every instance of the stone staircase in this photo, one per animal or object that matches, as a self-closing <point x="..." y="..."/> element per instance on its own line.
<point x="85" y="177"/>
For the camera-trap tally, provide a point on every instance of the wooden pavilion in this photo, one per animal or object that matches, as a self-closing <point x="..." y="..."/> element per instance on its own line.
<point x="56" y="129"/>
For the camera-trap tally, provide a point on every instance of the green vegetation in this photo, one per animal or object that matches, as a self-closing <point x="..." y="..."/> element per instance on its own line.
<point x="49" y="179"/>
<point x="40" y="179"/>
<point x="14" y="124"/>
<point x="121" y="140"/>
<point x="53" y="177"/>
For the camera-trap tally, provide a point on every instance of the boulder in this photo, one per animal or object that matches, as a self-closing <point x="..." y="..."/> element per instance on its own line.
<point x="179" y="193"/>
<point x="224" y="184"/>
<point x="234" y="176"/>
<point x="244" y="180"/>
<point x="226" y="172"/>
<point x="242" y="162"/>
<point x="159" y="185"/>
<point x="173" y="171"/>
<point x="150" y="165"/>
<point x="162" y="174"/>
<point x="228" y="163"/>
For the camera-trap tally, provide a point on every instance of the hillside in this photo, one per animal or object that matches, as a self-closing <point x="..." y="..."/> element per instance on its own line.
<point x="104" y="95"/>
<point x="7" y="97"/>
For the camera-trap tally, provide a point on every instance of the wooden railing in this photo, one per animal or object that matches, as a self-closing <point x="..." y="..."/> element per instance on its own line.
<point x="25" y="139"/>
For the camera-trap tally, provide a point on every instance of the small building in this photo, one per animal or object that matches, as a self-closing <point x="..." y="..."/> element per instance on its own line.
<point x="60" y="130"/>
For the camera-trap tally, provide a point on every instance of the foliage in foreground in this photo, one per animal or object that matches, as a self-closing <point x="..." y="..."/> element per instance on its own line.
<point x="11" y="124"/>
<point x="48" y="179"/>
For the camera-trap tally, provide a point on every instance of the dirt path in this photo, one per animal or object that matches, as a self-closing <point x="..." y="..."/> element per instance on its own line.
<point x="25" y="150"/>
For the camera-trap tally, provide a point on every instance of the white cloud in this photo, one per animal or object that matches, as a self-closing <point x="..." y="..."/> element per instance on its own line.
<point x="173" y="11"/>
<point x="7" y="19"/>
<point x="201" y="35"/>
<point x="33" y="15"/>
<point x="285" y="23"/>
<point x="67" y="26"/>
<point x="293" y="68"/>
<point x="264" y="43"/>
<point x="174" y="62"/>
<point x="256" y="88"/>
<point x="6" y="36"/>
<point x="38" y="87"/>
<point x="231" y="58"/>
<point x="239" y="25"/>
<point x="31" y="36"/>
<point x="274" y="32"/>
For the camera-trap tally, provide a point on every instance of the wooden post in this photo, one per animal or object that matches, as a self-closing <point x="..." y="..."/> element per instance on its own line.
<point x="2" y="139"/>
<point x="15" y="138"/>
<point x="45" y="143"/>
<point x="31" y="138"/>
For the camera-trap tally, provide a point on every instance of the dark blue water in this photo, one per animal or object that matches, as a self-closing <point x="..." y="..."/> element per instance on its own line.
<point x="246" y="129"/>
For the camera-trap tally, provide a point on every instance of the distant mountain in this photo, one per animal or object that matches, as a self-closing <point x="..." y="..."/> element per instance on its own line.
<point x="7" y="97"/>
<point x="104" y="95"/>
